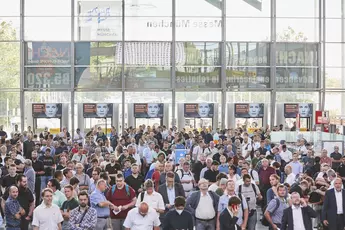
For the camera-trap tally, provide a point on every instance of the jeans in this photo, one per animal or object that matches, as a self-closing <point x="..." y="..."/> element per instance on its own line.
<point x="251" y="224"/>
<point x="205" y="225"/>
<point x="44" y="181"/>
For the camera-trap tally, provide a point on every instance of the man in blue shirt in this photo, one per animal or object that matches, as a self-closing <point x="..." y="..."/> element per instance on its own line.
<point x="13" y="211"/>
<point x="101" y="204"/>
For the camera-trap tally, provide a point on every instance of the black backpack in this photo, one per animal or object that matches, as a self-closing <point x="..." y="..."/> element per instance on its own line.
<point x="264" y="221"/>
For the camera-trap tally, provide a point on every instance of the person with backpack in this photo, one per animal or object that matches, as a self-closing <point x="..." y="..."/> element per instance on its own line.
<point x="273" y="213"/>
<point x="186" y="178"/>
<point x="151" y="197"/>
<point x="251" y="193"/>
<point x="123" y="197"/>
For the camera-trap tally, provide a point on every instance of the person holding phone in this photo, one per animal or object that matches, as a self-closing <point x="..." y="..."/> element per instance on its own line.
<point x="228" y="218"/>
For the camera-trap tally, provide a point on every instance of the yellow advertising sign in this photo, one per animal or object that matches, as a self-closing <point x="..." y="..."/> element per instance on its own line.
<point x="54" y="130"/>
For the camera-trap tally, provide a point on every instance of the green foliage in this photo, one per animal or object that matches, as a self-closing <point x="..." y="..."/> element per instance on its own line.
<point x="9" y="71"/>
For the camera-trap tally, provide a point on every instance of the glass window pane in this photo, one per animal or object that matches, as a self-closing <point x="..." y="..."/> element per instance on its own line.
<point x="98" y="29"/>
<point x="196" y="8"/>
<point x="250" y="97"/>
<point x="293" y="97"/>
<point x="198" y="29"/>
<point x="46" y="78"/>
<point x="9" y="77"/>
<point x="107" y="75"/>
<point x="47" y="8"/>
<point x="247" y="54"/>
<point x="297" y="30"/>
<point x="334" y="55"/>
<point x="48" y="53"/>
<point x="147" y="77"/>
<point x="197" y="54"/>
<point x="297" y="54"/>
<point x="250" y="8"/>
<point x="48" y="97"/>
<point x="247" y="77"/>
<point x="333" y="8"/>
<point x="10" y="8"/>
<point x="335" y="78"/>
<point x="333" y="100"/>
<point x="99" y="9"/>
<point x="47" y="29"/>
<point x="297" y="8"/>
<point x="334" y="31"/>
<point x="10" y="54"/>
<point x="135" y="8"/>
<point x="97" y="53"/>
<point x="98" y="65"/>
<point x="147" y="54"/>
<point x="297" y="77"/>
<point x="10" y="28"/>
<point x="9" y="110"/>
<point x="198" y="77"/>
<point x="148" y="28"/>
<point x="244" y="29"/>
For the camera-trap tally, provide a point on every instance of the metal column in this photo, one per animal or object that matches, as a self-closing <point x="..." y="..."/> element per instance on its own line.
<point x="22" y="70"/>
<point x="173" y="66"/>
<point x="223" y="66"/>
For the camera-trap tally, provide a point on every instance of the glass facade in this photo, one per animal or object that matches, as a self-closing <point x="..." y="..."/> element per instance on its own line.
<point x="125" y="51"/>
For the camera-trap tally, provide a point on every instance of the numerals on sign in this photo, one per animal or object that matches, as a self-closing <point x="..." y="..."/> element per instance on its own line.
<point x="48" y="79"/>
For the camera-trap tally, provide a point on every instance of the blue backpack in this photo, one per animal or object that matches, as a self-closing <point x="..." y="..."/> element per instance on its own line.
<point x="113" y="189"/>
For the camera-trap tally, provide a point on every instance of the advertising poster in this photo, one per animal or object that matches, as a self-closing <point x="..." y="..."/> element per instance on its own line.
<point x="148" y="110"/>
<point x="48" y="110"/>
<point x="321" y="117"/>
<point x="199" y="110"/>
<point x="99" y="110"/>
<point x="249" y="110"/>
<point x="305" y="110"/>
<point x="179" y="153"/>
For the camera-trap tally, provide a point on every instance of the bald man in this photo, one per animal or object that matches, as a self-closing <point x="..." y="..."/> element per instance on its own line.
<point x="13" y="210"/>
<point x="142" y="217"/>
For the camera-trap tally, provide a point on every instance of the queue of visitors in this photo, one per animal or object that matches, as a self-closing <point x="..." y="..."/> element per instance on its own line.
<point x="140" y="180"/>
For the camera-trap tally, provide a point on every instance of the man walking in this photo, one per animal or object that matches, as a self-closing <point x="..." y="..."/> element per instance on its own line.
<point x="83" y="217"/>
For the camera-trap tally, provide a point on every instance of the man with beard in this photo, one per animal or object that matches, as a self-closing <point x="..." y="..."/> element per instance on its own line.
<point x="135" y="180"/>
<point x="83" y="217"/>
<point x="25" y="199"/>
<point x="38" y="166"/>
<point x="67" y="206"/>
<point x="299" y="215"/>
<point x="113" y="168"/>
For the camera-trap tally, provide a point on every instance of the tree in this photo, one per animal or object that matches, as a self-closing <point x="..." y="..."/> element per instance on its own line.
<point x="9" y="73"/>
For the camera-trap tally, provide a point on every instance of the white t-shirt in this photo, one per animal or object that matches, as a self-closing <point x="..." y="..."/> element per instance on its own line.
<point x="290" y="179"/>
<point x="47" y="218"/>
<point x="135" y="221"/>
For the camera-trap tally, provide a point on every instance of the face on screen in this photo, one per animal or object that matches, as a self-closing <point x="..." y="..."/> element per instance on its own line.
<point x="102" y="110"/>
<point x="303" y="109"/>
<point x="254" y="110"/>
<point x="51" y="110"/>
<point x="152" y="109"/>
<point x="204" y="109"/>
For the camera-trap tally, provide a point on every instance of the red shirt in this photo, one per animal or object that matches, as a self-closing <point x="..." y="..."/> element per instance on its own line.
<point x="264" y="175"/>
<point x="326" y="160"/>
<point x="75" y="150"/>
<point x="120" y="197"/>
<point x="155" y="177"/>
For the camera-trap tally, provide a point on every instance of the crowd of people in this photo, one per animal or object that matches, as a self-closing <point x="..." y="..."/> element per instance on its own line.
<point x="160" y="178"/>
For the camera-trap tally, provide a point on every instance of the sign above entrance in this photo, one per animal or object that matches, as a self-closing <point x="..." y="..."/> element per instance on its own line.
<point x="48" y="110"/>
<point x="199" y="110"/>
<point x="148" y="110"/>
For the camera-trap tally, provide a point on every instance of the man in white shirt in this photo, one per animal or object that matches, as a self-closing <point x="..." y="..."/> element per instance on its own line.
<point x="212" y="150"/>
<point x="142" y="218"/>
<point x="291" y="177"/>
<point x="153" y="199"/>
<point x="286" y="154"/>
<point x="47" y="215"/>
